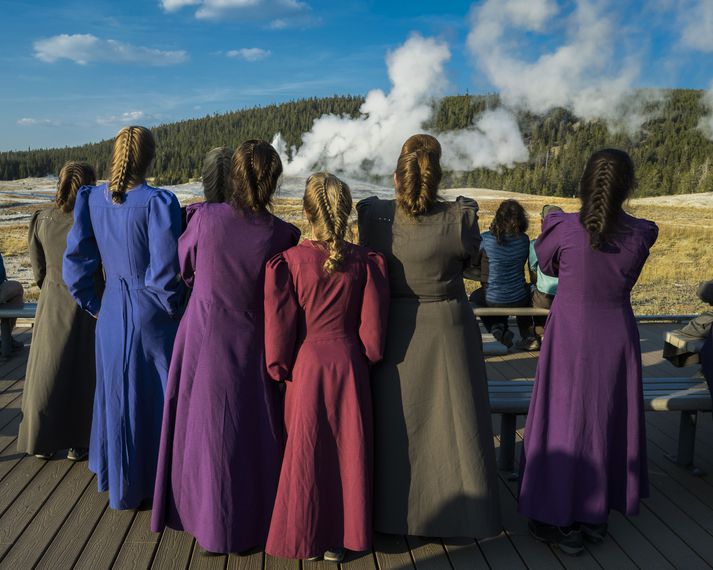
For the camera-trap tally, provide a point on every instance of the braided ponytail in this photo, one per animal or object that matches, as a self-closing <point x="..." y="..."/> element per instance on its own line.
<point x="607" y="181"/>
<point x="134" y="149"/>
<point x="72" y="177"/>
<point x="418" y="174"/>
<point x="254" y="175"/>
<point x="328" y="203"/>
<point x="216" y="174"/>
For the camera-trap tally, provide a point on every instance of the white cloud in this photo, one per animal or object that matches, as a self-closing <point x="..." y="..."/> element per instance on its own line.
<point x="87" y="48"/>
<point x="697" y="32"/>
<point x="249" y="54"/>
<point x="278" y="13"/>
<point x="32" y="121"/>
<point x="127" y="118"/>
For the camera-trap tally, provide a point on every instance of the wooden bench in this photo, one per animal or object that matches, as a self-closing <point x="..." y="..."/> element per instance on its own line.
<point x="7" y="315"/>
<point x="681" y="349"/>
<point x="511" y="398"/>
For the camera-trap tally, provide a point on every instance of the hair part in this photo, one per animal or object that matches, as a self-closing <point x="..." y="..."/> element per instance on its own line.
<point x="134" y="149"/>
<point x="255" y="172"/>
<point x="216" y="174"/>
<point x="510" y="219"/>
<point x="607" y="181"/>
<point x="418" y="174"/>
<point x="328" y="202"/>
<point x="72" y="177"/>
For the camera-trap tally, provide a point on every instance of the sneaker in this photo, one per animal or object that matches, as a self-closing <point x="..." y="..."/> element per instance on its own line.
<point x="45" y="456"/>
<point x="528" y="344"/>
<point x="503" y="335"/>
<point x="77" y="453"/>
<point x="313" y="559"/>
<point x="567" y="539"/>
<point x="594" y="533"/>
<point x="336" y="555"/>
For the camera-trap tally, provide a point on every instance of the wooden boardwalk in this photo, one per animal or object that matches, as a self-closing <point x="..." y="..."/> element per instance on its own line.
<point x="51" y="515"/>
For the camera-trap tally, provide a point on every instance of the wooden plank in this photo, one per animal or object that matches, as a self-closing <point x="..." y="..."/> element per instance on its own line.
<point x="200" y="561"/>
<point x="26" y="505"/>
<point x="275" y="563"/>
<point x="428" y="554"/>
<point x="637" y="547"/>
<point x="392" y="552"/>
<point x="35" y="539"/>
<point x="359" y="561"/>
<point x="499" y="552"/>
<point x="68" y="543"/>
<point x="252" y="561"/>
<point x="174" y="550"/>
<point x="103" y="546"/>
<point x="9" y="412"/>
<point x="25" y="470"/>
<point x="140" y="544"/>
<point x="464" y="554"/>
<point x="317" y="565"/>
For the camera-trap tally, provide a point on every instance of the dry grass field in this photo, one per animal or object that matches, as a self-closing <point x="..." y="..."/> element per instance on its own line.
<point x="681" y="258"/>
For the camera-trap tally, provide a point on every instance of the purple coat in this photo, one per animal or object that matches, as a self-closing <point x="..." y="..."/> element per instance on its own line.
<point x="222" y="437"/>
<point x="585" y="443"/>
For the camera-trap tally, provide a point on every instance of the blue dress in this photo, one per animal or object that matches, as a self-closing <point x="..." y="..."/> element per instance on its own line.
<point x="138" y="318"/>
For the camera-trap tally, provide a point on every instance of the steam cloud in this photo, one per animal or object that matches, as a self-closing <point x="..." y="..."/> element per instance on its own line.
<point x="371" y="142"/>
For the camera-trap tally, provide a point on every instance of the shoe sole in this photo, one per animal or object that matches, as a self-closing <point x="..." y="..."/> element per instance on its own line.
<point x="565" y="549"/>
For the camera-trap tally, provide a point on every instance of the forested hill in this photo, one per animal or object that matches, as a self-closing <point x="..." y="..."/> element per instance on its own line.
<point x="671" y="154"/>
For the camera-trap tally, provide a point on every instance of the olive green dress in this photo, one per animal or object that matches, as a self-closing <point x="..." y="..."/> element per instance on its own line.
<point x="435" y="471"/>
<point x="58" y="396"/>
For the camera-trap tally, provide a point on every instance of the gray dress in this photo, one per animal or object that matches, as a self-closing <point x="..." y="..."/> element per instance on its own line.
<point x="435" y="471"/>
<point x="58" y="396"/>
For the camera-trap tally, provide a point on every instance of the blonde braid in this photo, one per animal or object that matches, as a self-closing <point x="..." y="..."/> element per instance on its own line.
<point x="134" y="149"/>
<point x="72" y="177"/>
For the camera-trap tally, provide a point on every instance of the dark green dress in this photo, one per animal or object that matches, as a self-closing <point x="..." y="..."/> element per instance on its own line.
<point x="58" y="397"/>
<point x="435" y="471"/>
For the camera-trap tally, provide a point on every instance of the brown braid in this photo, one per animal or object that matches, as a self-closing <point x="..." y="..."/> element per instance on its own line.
<point x="72" y="177"/>
<point x="607" y="182"/>
<point x="328" y="203"/>
<point x="418" y="174"/>
<point x="134" y="149"/>
<point x="255" y="173"/>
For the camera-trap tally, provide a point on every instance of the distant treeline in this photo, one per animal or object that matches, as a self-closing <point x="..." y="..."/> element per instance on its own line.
<point x="671" y="154"/>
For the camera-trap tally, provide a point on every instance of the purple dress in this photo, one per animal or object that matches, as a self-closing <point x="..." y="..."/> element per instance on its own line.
<point x="585" y="443"/>
<point x="222" y="436"/>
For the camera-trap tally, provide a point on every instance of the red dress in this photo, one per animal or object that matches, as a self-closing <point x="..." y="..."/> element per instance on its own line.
<point x="321" y="334"/>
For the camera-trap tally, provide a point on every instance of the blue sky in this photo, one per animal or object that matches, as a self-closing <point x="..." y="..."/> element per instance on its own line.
<point x="75" y="72"/>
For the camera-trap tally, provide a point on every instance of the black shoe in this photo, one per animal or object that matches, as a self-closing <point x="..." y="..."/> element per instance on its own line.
<point x="45" y="456"/>
<point x="336" y="555"/>
<point x="313" y="559"/>
<point x="77" y="453"/>
<point x="502" y="335"/>
<point x="594" y="533"/>
<point x="205" y="552"/>
<point x="528" y="344"/>
<point x="567" y="539"/>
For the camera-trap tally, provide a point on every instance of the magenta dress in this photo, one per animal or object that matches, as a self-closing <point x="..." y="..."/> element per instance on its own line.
<point x="222" y="435"/>
<point x="585" y="442"/>
<point x="321" y="334"/>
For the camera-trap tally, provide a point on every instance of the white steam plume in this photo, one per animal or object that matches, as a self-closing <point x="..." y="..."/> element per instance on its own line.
<point x="582" y="74"/>
<point x="370" y="143"/>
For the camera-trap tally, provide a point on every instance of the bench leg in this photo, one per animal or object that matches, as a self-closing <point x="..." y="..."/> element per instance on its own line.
<point x="6" y="337"/>
<point x="506" y="455"/>
<point x="686" y="443"/>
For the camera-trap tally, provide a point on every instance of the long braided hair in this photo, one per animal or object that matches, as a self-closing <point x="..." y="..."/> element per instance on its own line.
<point x="328" y="203"/>
<point x="72" y="177"/>
<point x="216" y="174"/>
<point x="418" y="174"/>
<point x="607" y="182"/>
<point x="255" y="173"/>
<point x="134" y="149"/>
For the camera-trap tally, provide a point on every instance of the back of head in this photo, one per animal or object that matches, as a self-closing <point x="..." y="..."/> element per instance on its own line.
<point x="418" y="174"/>
<point x="255" y="171"/>
<point x="510" y="219"/>
<point x="72" y="177"/>
<point x="134" y="149"/>
<point x="607" y="182"/>
<point x="216" y="174"/>
<point x="548" y="209"/>
<point x="328" y="203"/>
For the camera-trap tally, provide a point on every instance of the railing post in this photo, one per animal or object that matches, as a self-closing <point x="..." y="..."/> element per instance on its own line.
<point x="506" y="455"/>
<point x="6" y="336"/>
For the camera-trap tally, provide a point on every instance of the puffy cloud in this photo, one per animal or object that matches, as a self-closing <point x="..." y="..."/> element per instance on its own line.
<point x="697" y="31"/>
<point x="278" y="13"/>
<point x="87" y="48"/>
<point x="249" y="54"/>
<point x="127" y="118"/>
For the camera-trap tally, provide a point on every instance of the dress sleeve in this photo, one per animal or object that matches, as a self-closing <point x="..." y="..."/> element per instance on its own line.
<point x="163" y="274"/>
<point x="363" y="209"/>
<point x="471" y="239"/>
<point x="82" y="257"/>
<point x="374" y="308"/>
<point x="548" y="246"/>
<point x="188" y="244"/>
<point x="281" y="319"/>
<point x="37" y="252"/>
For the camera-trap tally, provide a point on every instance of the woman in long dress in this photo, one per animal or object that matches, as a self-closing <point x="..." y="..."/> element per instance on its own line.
<point x="132" y="229"/>
<point x="58" y="395"/>
<point x="325" y="314"/>
<point x="435" y="472"/>
<point x="584" y="452"/>
<point x="222" y="438"/>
